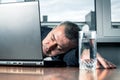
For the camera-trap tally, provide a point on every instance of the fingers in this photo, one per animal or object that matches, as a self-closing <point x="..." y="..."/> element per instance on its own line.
<point x="110" y="65"/>
<point x="98" y="66"/>
<point x="106" y="64"/>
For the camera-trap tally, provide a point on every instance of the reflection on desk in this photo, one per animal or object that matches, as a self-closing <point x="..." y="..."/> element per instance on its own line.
<point x="57" y="73"/>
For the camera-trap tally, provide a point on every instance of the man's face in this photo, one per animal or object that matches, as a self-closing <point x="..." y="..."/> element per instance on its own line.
<point x="56" y="42"/>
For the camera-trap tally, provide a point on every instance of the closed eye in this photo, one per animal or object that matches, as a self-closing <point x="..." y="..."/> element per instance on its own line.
<point x="52" y="37"/>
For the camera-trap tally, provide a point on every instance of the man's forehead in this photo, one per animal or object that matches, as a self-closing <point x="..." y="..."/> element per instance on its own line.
<point x="62" y="28"/>
<point x="60" y="37"/>
<point x="59" y="32"/>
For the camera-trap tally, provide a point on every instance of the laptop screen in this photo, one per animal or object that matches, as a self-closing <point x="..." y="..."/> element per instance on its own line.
<point x="20" y="37"/>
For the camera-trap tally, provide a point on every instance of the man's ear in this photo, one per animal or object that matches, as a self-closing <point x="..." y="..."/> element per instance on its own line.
<point x="74" y="44"/>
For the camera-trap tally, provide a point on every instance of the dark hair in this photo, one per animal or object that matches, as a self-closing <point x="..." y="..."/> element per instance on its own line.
<point x="71" y="30"/>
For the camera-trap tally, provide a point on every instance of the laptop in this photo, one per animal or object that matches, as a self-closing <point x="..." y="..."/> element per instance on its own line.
<point x="20" y="35"/>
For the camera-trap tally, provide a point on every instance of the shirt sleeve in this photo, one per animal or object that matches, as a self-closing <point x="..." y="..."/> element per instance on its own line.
<point x="71" y="58"/>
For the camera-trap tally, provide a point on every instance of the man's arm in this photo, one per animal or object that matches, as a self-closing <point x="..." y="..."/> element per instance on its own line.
<point x="71" y="59"/>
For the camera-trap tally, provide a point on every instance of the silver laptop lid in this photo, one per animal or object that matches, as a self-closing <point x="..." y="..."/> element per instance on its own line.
<point x="20" y="37"/>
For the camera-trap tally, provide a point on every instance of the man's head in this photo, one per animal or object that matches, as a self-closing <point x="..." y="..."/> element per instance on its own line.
<point x="61" y="39"/>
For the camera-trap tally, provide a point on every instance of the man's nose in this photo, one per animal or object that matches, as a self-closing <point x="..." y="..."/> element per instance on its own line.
<point x="52" y="45"/>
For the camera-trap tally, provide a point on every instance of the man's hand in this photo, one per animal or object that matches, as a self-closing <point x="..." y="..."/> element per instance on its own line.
<point x="101" y="62"/>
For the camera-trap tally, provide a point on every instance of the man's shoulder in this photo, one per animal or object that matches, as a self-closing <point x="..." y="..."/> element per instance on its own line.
<point x="70" y="58"/>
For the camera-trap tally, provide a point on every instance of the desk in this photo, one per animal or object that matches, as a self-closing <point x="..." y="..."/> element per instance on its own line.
<point x="57" y="73"/>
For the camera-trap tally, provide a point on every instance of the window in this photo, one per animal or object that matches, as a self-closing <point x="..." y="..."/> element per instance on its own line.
<point x="62" y="10"/>
<point x="115" y="16"/>
<point x="107" y="18"/>
<point x="6" y="1"/>
<point x="115" y="11"/>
